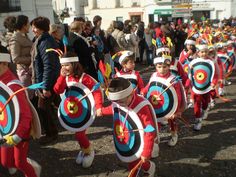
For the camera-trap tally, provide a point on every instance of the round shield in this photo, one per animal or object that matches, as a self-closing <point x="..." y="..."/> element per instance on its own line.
<point x="9" y="117"/>
<point x="185" y="65"/>
<point x="232" y="59"/>
<point x="226" y="62"/>
<point x="201" y="75"/>
<point x="128" y="142"/>
<point x="164" y="102"/>
<point x="76" y="114"/>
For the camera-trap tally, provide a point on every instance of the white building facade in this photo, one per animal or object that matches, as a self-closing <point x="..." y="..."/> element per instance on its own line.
<point x="30" y="8"/>
<point x="146" y="10"/>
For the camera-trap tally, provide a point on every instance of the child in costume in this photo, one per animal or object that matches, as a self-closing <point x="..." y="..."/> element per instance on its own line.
<point x="131" y="111"/>
<point x="219" y="71"/>
<point x="186" y="56"/>
<point x="162" y="63"/>
<point x="14" y="155"/>
<point x="71" y="74"/>
<point x="201" y="100"/>
<point x="222" y="53"/>
<point x="176" y="67"/>
<point x="127" y="61"/>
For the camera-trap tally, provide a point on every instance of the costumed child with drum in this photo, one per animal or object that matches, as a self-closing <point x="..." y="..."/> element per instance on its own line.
<point x="16" y="123"/>
<point x="203" y="77"/>
<point x="127" y="61"/>
<point x="134" y="126"/>
<point x="80" y="104"/>
<point x="165" y="94"/>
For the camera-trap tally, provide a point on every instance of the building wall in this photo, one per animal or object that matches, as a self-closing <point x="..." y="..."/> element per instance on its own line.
<point x="108" y="10"/>
<point x="32" y="9"/>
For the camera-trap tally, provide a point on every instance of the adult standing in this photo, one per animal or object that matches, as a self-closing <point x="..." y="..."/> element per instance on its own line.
<point x="81" y="46"/>
<point x="46" y="67"/>
<point x="20" y="46"/>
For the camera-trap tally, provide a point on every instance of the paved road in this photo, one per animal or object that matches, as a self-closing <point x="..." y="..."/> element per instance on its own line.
<point x="208" y="153"/>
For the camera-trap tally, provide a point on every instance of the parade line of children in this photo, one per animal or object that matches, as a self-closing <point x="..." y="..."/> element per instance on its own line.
<point x="138" y="111"/>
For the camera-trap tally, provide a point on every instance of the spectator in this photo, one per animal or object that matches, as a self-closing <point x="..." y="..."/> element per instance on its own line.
<point x="46" y="67"/>
<point x="81" y="46"/>
<point x="20" y="46"/>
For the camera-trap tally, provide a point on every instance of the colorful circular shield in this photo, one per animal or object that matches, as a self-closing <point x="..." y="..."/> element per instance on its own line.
<point x="232" y="59"/>
<point x="127" y="136"/>
<point x="76" y="114"/>
<point x="226" y="62"/>
<point x="201" y="75"/>
<point x="9" y="117"/>
<point x="163" y="100"/>
<point x="185" y="65"/>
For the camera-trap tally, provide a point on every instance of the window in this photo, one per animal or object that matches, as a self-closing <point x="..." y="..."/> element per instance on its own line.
<point x="9" y="6"/>
<point x="135" y="3"/>
<point x="119" y="3"/>
<point x="96" y="4"/>
<point x="119" y="19"/>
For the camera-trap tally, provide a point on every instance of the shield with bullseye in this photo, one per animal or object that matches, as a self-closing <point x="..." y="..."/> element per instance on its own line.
<point x="164" y="100"/>
<point x="9" y="117"/>
<point x="76" y="114"/>
<point x="127" y="138"/>
<point x="201" y="75"/>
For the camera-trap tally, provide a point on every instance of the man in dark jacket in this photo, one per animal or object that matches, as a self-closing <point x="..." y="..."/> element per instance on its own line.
<point x="46" y="68"/>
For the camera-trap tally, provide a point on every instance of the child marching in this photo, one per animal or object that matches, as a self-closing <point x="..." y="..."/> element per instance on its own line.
<point x="81" y="102"/>
<point x="133" y="119"/>
<point x="165" y="94"/>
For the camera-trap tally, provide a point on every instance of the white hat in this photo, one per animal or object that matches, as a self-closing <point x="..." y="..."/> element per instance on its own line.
<point x="5" y="57"/>
<point x="125" y="54"/>
<point x="162" y="49"/>
<point x="69" y="59"/>
<point x="190" y="42"/>
<point x="163" y="59"/>
<point x="202" y="47"/>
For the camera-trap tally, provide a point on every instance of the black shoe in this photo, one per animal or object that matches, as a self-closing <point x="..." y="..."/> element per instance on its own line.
<point x="45" y="140"/>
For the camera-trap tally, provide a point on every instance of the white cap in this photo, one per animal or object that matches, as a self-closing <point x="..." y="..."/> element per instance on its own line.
<point x="5" y="57"/>
<point x="125" y="54"/>
<point x="190" y="42"/>
<point x="69" y="59"/>
<point x="164" y="59"/>
<point x="162" y="49"/>
<point x="202" y="47"/>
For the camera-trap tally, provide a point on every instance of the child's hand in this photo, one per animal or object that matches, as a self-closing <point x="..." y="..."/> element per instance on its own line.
<point x="213" y="86"/>
<point x="99" y="112"/>
<point x="144" y="159"/>
<point x="63" y="72"/>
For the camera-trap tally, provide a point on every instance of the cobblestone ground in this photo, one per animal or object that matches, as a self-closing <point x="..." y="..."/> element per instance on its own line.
<point x="208" y="153"/>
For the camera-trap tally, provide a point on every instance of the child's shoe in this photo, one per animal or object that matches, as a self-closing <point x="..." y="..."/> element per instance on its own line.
<point x="227" y="82"/>
<point x="221" y="92"/>
<point x="151" y="171"/>
<point x="36" y="166"/>
<point x="190" y="105"/>
<point x="205" y="114"/>
<point x="12" y="171"/>
<point x="212" y="104"/>
<point x="80" y="157"/>
<point x="155" y="151"/>
<point x="88" y="159"/>
<point x="198" y="124"/>
<point x="174" y="139"/>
